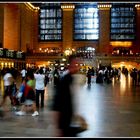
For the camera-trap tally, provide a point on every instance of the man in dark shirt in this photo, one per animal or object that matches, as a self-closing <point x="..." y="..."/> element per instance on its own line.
<point x="62" y="103"/>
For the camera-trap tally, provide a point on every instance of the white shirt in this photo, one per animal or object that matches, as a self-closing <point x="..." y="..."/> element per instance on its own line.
<point x="44" y="70"/>
<point x="101" y="71"/>
<point x="39" y="84"/>
<point x="23" y="73"/>
<point x="6" y="77"/>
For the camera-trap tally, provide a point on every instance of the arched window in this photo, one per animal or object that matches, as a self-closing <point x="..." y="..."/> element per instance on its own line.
<point x="123" y="21"/>
<point x="50" y="23"/>
<point x="86" y="22"/>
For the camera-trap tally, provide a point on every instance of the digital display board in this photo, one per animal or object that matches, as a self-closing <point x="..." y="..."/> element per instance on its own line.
<point x="5" y="53"/>
<point x="1" y="53"/>
<point x="20" y="55"/>
<point x="9" y="53"/>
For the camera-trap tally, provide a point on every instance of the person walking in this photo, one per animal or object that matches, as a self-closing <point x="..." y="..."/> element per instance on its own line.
<point x="56" y="77"/>
<point x="39" y="87"/>
<point x="134" y="76"/>
<point x="62" y="107"/>
<point x="89" y="74"/>
<point x="8" y="85"/>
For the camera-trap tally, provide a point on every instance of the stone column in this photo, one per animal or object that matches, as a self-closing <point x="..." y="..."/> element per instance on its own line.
<point x="67" y="26"/>
<point x="1" y="24"/>
<point x="137" y="41"/>
<point x="104" y="30"/>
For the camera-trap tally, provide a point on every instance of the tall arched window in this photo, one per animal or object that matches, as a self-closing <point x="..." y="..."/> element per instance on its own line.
<point x="50" y="23"/>
<point x="86" y="22"/>
<point x="123" y="21"/>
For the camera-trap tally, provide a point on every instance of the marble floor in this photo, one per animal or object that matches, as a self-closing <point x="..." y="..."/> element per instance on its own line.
<point x="111" y="110"/>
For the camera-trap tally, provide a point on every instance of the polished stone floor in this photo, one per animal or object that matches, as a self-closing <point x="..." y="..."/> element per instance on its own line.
<point x="111" y="110"/>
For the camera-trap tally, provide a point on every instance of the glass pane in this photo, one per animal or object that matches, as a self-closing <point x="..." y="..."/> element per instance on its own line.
<point x="50" y="22"/>
<point x="42" y="37"/>
<point x="86" y="22"/>
<point x="123" y="22"/>
<point x="42" y="13"/>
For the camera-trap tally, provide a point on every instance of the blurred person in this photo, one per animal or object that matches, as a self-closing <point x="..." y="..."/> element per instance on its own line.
<point x="134" y="76"/>
<point x="89" y="74"/>
<point x="8" y="85"/>
<point x="46" y="79"/>
<point x="61" y="72"/>
<point x="44" y="70"/>
<point x="138" y="77"/>
<point x="99" y="78"/>
<point x="119" y="73"/>
<point x="29" y="95"/>
<point x="23" y="73"/>
<point x="20" y="92"/>
<point x="39" y="87"/>
<point x="50" y="75"/>
<point x="56" y="77"/>
<point x="62" y="107"/>
<point x="15" y="101"/>
<point x="92" y="71"/>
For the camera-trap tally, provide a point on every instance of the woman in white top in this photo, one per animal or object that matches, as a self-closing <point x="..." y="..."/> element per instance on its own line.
<point x="39" y="87"/>
<point x="8" y="82"/>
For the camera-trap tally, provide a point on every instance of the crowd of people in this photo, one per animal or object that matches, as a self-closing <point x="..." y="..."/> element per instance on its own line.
<point x="32" y="87"/>
<point x="103" y="74"/>
<point x="34" y="81"/>
<point x="106" y="74"/>
<point x="32" y="90"/>
<point x="135" y="74"/>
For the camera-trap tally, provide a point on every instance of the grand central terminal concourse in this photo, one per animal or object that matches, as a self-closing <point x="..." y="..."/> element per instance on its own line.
<point x="70" y="69"/>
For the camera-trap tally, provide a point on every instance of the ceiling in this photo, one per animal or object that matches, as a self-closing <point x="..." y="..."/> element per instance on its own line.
<point x="36" y="4"/>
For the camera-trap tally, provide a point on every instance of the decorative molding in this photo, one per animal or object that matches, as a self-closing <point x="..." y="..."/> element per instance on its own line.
<point x="104" y="6"/>
<point x="137" y="6"/>
<point x="31" y="7"/>
<point x="68" y="7"/>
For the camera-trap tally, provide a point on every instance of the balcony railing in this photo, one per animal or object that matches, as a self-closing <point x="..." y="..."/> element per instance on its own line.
<point x="43" y="56"/>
